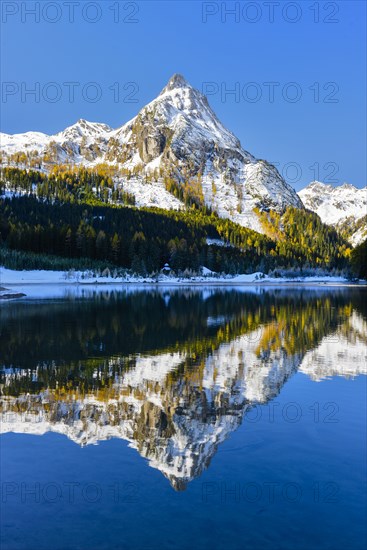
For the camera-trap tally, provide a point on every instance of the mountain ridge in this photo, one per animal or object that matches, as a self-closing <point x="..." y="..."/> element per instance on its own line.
<point x="177" y="142"/>
<point x="343" y="207"/>
<point x="177" y="135"/>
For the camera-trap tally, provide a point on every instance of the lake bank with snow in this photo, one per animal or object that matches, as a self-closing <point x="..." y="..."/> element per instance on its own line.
<point x="42" y="283"/>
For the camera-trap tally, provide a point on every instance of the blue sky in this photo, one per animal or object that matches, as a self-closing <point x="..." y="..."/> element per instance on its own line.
<point x="299" y="72"/>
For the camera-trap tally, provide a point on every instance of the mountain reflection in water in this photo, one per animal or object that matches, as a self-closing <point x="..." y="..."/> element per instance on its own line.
<point x="173" y="372"/>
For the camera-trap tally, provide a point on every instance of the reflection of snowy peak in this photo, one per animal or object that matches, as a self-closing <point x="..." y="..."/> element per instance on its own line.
<point x="174" y="415"/>
<point x="344" y="207"/>
<point x="342" y="353"/>
<point x="177" y="424"/>
<point x="176" y="136"/>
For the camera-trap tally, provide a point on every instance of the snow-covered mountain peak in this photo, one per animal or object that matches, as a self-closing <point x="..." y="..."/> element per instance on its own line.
<point x="319" y="186"/>
<point x="180" y="106"/>
<point x="177" y="136"/>
<point x="179" y="133"/>
<point x="347" y="187"/>
<point x="176" y="81"/>
<point x="29" y="141"/>
<point x="343" y="206"/>
<point x="83" y="128"/>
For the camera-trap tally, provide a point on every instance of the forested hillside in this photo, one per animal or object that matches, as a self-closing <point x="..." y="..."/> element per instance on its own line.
<point x="301" y="233"/>
<point x="70" y="214"/>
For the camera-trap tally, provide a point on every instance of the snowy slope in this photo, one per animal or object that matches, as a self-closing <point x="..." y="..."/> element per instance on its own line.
<point x="29" y="141"/>
<point x="338" y="206"/>
<point x="175" y="136"/>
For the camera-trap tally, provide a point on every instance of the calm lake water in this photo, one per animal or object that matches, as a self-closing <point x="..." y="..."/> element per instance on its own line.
<point x="184" y="419"/>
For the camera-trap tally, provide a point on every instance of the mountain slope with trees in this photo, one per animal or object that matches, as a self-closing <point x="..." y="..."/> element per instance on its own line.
<point x="143" y="240"/>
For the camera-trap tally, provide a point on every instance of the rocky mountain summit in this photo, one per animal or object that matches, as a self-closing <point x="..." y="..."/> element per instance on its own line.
<point x="175" y="140"/>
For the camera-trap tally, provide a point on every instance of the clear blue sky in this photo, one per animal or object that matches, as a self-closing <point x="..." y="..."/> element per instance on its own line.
<point x="206" y="44"/>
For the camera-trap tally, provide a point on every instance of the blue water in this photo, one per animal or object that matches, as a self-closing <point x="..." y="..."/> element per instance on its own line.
<point x="291" y="475"/>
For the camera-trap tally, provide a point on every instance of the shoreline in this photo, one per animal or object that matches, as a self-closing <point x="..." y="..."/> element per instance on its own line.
<point x="42" y="284"/>
<point x="187" y="282"/>
<point x="56" y="291"/>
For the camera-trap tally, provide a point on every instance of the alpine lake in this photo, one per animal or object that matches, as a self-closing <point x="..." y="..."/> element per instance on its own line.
<point x="184" y="418"/>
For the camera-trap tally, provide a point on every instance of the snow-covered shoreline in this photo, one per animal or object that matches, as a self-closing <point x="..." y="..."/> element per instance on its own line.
<point x="48" y="281"/>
